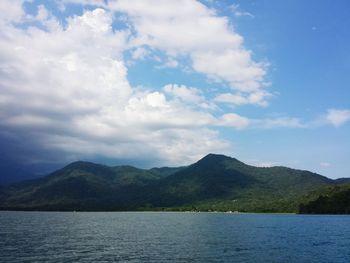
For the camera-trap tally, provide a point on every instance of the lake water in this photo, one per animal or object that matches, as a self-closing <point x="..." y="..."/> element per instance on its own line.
<point x="172" y="237"/>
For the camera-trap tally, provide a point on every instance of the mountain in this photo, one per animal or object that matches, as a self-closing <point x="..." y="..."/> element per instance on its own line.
<point x="342" y="180"/>
<point x="81" y="186"/>
<point x="330" y="200"/>
<point x="216" y="182"/>
<point x="165" y="171"/>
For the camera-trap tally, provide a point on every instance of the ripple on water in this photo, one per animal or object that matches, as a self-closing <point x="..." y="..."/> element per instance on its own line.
<point x="172" y="237"/>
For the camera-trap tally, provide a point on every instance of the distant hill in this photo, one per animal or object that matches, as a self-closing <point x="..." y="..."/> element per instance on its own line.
<point x="82" y="186"/>
<point x="331" y="200"/>
<point x="216" y="182"/>
<point x="342" y="180"/>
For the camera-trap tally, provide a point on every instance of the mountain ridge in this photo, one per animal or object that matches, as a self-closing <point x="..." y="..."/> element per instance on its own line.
<point x="215" y="182"/>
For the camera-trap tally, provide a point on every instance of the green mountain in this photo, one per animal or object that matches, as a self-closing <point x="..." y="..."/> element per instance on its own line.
<point x="82" y="186"/>
<point x="216" y="182"/>
<point x="330" y="200"/>
<point x="343" y="180"/>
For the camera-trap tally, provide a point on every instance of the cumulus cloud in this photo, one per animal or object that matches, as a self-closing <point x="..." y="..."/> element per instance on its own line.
<point x="263" y="163"/>
<point x="189" y="95"/>
<point x="187" y="28"/>
<point x="325" y="164"/>
<point x="11" y="11"/>
<point x="100" y="3"/>
<point x="334" y="117"/>
<point x="233" y="120"/>
<point x="170" y="63"/>
<point x="278" y="122"/>
<point x="338" y="117"/>
<point x="255" y="98"/>
<point x="66" y="89"/>
<point x="74" y="70"/>
<point x="140" y="53"/>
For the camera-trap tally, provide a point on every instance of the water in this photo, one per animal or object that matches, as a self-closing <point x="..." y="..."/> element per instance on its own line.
<point x="172" y="237"/>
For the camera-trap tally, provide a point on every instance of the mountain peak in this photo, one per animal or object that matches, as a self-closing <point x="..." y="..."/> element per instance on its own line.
<point x="215" y="160"/>
<point x="213" y="157"/>
<point x="212" y="183"/>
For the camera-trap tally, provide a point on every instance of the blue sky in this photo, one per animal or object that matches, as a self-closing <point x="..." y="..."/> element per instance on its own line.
<point x="152" y="83"/>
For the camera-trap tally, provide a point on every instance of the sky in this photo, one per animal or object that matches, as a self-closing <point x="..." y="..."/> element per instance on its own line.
<point x="163" y="83"/>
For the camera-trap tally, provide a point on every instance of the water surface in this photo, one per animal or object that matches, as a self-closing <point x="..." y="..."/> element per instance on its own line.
<point x="172" y="237"/>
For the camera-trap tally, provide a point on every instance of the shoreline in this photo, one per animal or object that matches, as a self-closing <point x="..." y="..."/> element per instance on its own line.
<point x="154" y="211"/>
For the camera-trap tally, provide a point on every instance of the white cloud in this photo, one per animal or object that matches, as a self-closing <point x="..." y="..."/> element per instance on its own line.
<point x="238" y="12"/>
<point x="234" y="66"/>
<point x="334" y="117"/>
<point x="235" y="99"/>
<point x="338" y="117"/>
<point x="170" y="63"/>
<point x="43" y="13"/>
<point x="189" y="28"/>
<point x="67" y="89"/>
<point x="140" y="53"/>
<point x="184" y="93"/>
<point x="11" y="11"/>
<point x="95" y="22"/>
<point x="189" y="95"/>
<point x="278" y="122"/>
<point x="99" y="3"/>
<point x="73" y="71"/>
<point x="264" y="163"/>
<point x="325" y="164"/>
<point x="233" y="120"/>
<point x="255" y="98"/>
<point x="153" y="110"/>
